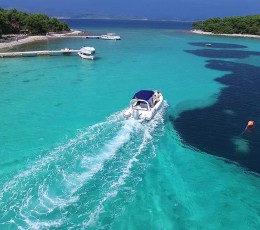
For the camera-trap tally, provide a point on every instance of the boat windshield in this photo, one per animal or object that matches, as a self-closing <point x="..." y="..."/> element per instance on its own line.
<point x="137" y="104"/>
<point x="133" y="102"/>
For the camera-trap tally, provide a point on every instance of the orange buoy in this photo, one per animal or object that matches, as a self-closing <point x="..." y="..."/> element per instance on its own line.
<point x="250" y="124"/>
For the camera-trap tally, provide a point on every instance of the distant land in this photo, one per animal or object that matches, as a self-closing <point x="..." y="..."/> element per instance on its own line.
<point x="230" y="25"/>
<point x="119" y="17"/>
<point x="98" y="16"/>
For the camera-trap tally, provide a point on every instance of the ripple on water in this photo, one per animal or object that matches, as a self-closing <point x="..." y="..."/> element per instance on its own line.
<point x="86" y="173"/>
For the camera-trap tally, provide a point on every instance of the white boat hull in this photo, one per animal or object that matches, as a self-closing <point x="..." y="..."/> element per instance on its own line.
<point x="87" y="52"/>
<point x="144" y="114"/>
<point x="114" y="38"/>
<point x="110" y="36"/>
<point x="84" y="56"/>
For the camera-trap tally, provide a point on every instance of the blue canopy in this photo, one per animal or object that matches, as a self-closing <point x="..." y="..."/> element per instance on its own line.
<point x="144" y="95"/>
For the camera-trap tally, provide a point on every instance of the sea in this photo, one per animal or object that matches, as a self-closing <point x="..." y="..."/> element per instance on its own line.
<point x="70" y="160"/>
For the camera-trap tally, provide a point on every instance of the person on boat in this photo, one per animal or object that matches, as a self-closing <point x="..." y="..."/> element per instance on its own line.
<point x="156" y="97"/>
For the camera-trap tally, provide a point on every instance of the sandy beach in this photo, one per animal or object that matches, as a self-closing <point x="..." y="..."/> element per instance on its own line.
<point x="29" y="39"/>
<point x="229" y="35"/>
<point x="9" y="45"/>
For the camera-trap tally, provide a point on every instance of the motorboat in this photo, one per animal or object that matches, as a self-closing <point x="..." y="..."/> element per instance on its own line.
<point x="110" y="36"/>
<point x="87" y="52"/>
<point x="144" y="105"/>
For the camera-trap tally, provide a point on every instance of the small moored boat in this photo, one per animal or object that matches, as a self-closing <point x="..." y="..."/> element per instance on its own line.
<point x="87" y="52"/>
<point x="144" y="105"/>
<point x="110" y="36"/>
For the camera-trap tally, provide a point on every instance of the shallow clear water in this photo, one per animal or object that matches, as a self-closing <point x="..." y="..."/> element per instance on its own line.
<point x="70" y="160"/>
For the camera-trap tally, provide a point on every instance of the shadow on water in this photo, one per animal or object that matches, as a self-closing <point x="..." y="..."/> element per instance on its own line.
<point x="218" y="45"/>
<point x="26" y="81"/>
<point x="214" y="53"/>
<point x="58" y="104"/>
<point x="77" y="81"/>
<point x="219" y="129"/>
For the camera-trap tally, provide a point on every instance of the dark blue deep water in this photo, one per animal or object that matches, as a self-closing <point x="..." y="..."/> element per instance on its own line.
<point x="216" y="129"/>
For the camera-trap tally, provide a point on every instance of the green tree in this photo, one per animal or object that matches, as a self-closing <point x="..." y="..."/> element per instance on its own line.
<point x="5" y="26"/>
<point x="12" y="21"/>
<point x="16" y="19"/>
<point x="37" y="24"/>
<point x="229" y="25"/>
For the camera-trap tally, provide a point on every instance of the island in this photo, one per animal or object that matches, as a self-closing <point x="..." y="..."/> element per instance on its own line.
<point x="17" y="22"/>
<point x="235" y="25"/>
<point x="17" y="27"/>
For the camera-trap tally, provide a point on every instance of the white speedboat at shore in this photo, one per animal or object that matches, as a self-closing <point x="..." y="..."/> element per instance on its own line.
<point x="110" y="36"/>
<point x="87" y="53"/>
<point x="144" y="105"/>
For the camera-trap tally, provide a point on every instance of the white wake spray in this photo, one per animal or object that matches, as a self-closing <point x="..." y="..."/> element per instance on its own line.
<point x="57" y="180"/>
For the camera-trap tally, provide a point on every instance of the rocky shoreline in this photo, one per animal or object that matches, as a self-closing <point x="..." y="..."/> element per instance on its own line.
<point x="29" y="39"/>
<point x="229" y="35"/>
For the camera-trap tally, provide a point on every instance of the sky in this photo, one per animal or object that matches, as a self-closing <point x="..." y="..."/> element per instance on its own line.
<point x="151" y="9"/>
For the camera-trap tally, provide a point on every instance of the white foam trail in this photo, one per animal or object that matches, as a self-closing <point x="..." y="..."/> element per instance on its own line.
<point x="45" y="201"/>
<point x="54" y="154"/>
<point x="71" y="165"/>
<point x="93" y="165"/>
<point x="113" y="191"/>
<point x="121" y="181"/>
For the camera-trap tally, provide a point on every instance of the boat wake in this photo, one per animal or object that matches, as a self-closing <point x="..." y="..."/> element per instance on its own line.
<point x="73" y="185"/>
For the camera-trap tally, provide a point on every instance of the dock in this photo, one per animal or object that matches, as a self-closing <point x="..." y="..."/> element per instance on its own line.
<point x="93" y="36"/>
<point x="38" y="53"/>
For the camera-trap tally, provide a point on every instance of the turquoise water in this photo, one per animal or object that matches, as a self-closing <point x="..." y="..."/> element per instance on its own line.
<point x="71" y="161"/>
